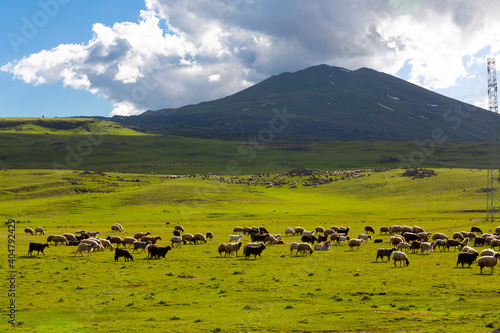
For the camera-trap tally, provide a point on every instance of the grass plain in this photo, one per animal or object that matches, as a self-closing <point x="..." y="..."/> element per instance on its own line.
<point x="195" y="290"/>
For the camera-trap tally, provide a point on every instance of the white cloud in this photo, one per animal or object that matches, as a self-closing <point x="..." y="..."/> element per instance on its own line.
<point x="140" y="66"/>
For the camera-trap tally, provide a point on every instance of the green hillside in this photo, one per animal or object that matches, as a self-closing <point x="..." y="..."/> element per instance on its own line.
<point x="64" y="126"/>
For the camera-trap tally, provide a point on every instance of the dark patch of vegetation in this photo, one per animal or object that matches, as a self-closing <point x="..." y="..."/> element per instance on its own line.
<point x="418" y="173"/>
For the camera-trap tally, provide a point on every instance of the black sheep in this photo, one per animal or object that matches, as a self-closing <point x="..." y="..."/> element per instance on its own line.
<point x="123" y="253"/>
<point x="369" y="229"/>
<point x="476" y="229"/>
<point x="466" y="258"/>
<point x="158" y="251"/>
<point x="256" y="250"/>
<point x="37" y="247"/>
<point x="309" y="239"/>
<point x="258" y="237"/>
<point x="344" y="231"/>
<point x="381" y="253"/>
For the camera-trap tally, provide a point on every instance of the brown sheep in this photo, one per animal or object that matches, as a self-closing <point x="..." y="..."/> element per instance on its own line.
<point x="39" y="230"/>
<point x="115" y="240"/>
<point x="222" y="248"/>
<point x="385" y="230"/>
<point x="29" y="231"/>
<point x="188" y="237"/>
<point x="152" y="239"/>
<point x="70" y="237"/>
<point x="179" y="227"/>
<point x="129" y="241"/>
<point x="117" y="227"/>
<point x="319" y="229"/>
<point x="139" y="235"/>
<point x="303" y="248"/>
<point x="198" y="237"/>
<point x="237" y="230"/>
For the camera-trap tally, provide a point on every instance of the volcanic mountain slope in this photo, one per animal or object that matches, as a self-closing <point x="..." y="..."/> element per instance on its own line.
<point x="324" y="102"/>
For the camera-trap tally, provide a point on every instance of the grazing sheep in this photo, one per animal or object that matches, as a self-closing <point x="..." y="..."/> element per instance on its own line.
<point x="323" y="246"/>
<point x="176" y="233"/>
<point x="476" y="229"/>
<point x="410" y="236"/>
<point x="153" y="239"/>
<point x="246" y="230"/>
<point x="298" y="230"/>
<point x="232" y="247"/>
<point x="70" y="237"/>
<point x="177" y="240"/>
<point x="466" y="258"/>
<point x="395" y="229"/>
<point x="289" y="231"/>
<point x="115" y="240"/>
<point x="179" y="227"/>
<point x="37" y="247"/>
<point x="458" y="235"/>
<point x="83" y="247"/>
<point x="487" y="253"/>
<point x="395" y="240"/>
<point x="30" y="231"/>
<point x="426" y="247"/>
<point x="454" y="243"/>
<point x="415" y="246"/>
<point x="378" y="240"/>
<point x="441" y="244"/>
<point x="59" y="239"/>
<point x="334" y="228"/>
<point x="364" y="237"/>
<point x="123" y="253"/>
<point x="255" y="249"/>
<point x="39" y="230"/>
<point x="141" y="245"/>
<point x="106" y="244"/>
<point x="319" y="230"/>
<point x="406" y="228"/>
<point x="210" y="235"/>
<point x="322" y="238"/>
<point x="342" y="239"/>
<point x="369" y="229"/>
<point x="497" y="230"/>
<point x="293" y="246"/>
<point x="416" y="229"/>
<point x="235" y="238"/>
<point x="222" y="248"/>
<point x="303" y="248"/>
<point x="355" y="242"/>
<point x="494" y="243"/>
<point x="439" y="235"/>
<point x="199" y="238"/>
<point x="344" y="231"/>
<point x="156" y="251"/>
<point x="258" y="237"/>
<point x="403" y="246"/>
<point x="381" y="253"/>
<point x="270" y="240"/>
<point x="329" y="232"/>
<point x="117" y="227"/>
<point x="309" y="239"/>
<point x="93" y="234"/>
<point x="479" y="241"/>
<point x="401" y="257"/>
<point x="308" y="233"/>
<point x="139" y="235"/>
<point x="488" y="261"/>
<point x="263" y="230"/>
<point x="424" y="236"/>
<point x="238" y="230"/>
<point x="82" y="236"/>
<point x="129" y="241"/>
<point x="385" y="230"/>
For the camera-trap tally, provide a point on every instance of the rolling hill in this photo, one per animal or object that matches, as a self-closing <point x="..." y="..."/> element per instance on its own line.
<point x="324" y="102"/>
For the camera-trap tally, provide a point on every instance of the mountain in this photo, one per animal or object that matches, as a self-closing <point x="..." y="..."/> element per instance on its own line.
<point x="324" y="102"/>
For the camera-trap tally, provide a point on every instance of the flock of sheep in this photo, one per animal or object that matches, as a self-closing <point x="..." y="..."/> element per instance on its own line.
<point x="404" y="239"/>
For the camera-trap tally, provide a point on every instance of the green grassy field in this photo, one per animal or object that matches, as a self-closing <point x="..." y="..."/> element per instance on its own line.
<point x="195" y="290"/>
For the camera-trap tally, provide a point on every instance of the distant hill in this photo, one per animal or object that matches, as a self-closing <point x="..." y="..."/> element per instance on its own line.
<point x="325" y="102"/>
<point x="64" y="126"/>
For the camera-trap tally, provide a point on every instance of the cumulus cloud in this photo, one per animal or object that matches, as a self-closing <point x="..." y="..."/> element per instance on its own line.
<point x="179" y="49"/>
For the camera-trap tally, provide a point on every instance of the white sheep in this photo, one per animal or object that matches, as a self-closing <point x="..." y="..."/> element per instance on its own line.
<point x="355" y="242"/>
<point x="495" y="242"/>
<point x="323" y="246"/>
<point x="319" y="229"/>
<point x="235" y="238"/>
<point x="237" y="230"/>
<point x="106" y="244"/>
<point x="364" y="237"/>
<point x="487" y="253"/>
<point x="83" y="247"/>
<point x="232" y="247"/>
<point x="403" y="246"/>
<point x="401" y="257"/>
<point x="341" y="239"/>
<point x="308" y="233"/>
<point x="289" y="231"/>
<point x="59" y="239"/>
<point x="70" y="237"/>
<point x="488" y="261"/>
<point x="117" y="227"/>
<point x="497" y="230"/>
<point x="177" y="240"/>
<point x="293" y="246"/>
<point x="39" y="230"/>
<point x="129" y="241"/>
<point x="28" y="230"/>
<point x="439" y="235"/>
<point x="426" y="247"/>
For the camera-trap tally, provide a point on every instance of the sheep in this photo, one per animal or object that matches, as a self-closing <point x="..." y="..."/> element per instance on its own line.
<point x="179" y="227"/>
<point x="410" y="236"/>
<point x="323" y="246"/>
<point x="457" y="235"/>
<point x="322" y="238"/>
<point x="385" y="230"/>
<point x="153" y="239"/>
<point x="309" y="239"/>
<point x="106" y="244"/>
<point x="50" y="238"/>
<point x="176" y="233"/>
<point x="39" y="230"/>
<point x="59" y="239"/>
<point x="246" y="230"/>
<point x="494" y="243"/>
<point x="139" y="235"/>
<point x="232" y="247"/>
<point x="401" y="257"/>
<point x="466" y="249"/>
<point x="395" y="240"/>
<point x="303" y="248"/>
<point x="381" y="253"/>
<point x="403" y="246"/>
<point x="210" y="235"/>
<point x="70" y="237"/>
<point x="441" y="244"/>
<point x="319" y="230"/>
<point x="177" y="240"/>
<point x="255" y="249"/>
<point x="479" y="241"/>
<point x="487" y="253"/>
<point x="416" y="229"/>
<point x="497" y="230"/>
<point x="344" y="231"/>
<point x="395" y="229"/>
<point x="298" y="230"/>
<point x="117" y="227"/>
<point x="424" y="236"/>
<point x="488" y="261"/>
<point x="199" y="238"/>
<point x="83" y="247"/>
<point x="30" y="231"/>
<point x="141" y="245"/>
<point x="415" y="246"/>
<point x="369" y="229"/>
<point x="329" y="232"/>
<point x="93" y="234"/>
<point x="456" y="244"/>
<point x="465" y="242"/>
<point x="235" y="238"/>
<point x="237" y="230"/>
<point x="378" y="240"/>
<point x="263" y="230"/>
<point x="222" y="248"/>
<point x="258" y="237"/>
<point x="334" y="228"/>
<point x="342" y="239"/>
<point x="289" y="231"/>
<point x="426" y="247"/>
<point x="82" y="236"/>
<point x="156" y="251"/>
<point x="308" y="233"/>
<point x="439" y="235"/>
<point x="270" y="240"/>
<point x="37" y="247"/>
<point x="293" y="246"/>
<point x="115" y="240"/>
<point x="123" y="253"/>
<point x="355" y="242"/>
<point x="476" y="229"/>
<point x="364" y="237"/>
<point x="129" y="241"/>
<point x="466" y="258"/>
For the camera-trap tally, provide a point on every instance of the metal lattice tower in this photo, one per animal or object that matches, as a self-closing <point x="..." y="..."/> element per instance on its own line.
<point x="493" y="190"/>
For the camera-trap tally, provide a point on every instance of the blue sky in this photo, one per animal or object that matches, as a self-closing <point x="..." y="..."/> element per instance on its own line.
<point x="101" y="58"/>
